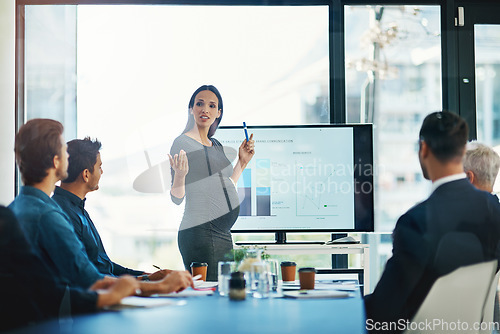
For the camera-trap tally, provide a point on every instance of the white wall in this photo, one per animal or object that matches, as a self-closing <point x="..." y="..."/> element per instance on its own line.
<point x="7" y="85"/>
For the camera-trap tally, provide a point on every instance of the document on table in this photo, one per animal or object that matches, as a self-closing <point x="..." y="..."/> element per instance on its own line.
<point x="324" y="285"/>
<point x="142" y="302"/>
<point x="203" y="284"/>
<point x="307" y="294"/>
<point x="189" y="292"/>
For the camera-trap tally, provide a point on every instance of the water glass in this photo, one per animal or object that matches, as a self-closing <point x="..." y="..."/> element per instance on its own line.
<point x="274" y="270"/>
<point x="261" y="280"/>
<point x="225" y="269"/>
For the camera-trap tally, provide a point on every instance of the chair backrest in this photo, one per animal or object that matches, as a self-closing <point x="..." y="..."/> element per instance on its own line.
<point x="489" y="305"/>
<point x="457" y="249"/>
<point x="455" y="299"/>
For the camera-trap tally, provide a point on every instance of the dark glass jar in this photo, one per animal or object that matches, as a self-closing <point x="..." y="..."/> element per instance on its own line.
<point x="237" y="286"/>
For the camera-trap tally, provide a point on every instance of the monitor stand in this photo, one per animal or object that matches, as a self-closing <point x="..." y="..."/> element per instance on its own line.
<point x="280" y="239"/>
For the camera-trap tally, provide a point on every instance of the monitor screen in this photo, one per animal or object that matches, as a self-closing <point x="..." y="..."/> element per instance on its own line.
<point x="305" y="178"/>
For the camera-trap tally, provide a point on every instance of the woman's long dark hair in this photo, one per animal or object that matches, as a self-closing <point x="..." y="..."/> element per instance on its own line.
<point x="215" y="125"/>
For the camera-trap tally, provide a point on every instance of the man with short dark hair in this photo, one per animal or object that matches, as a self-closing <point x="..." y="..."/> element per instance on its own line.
<point x="426" y="239"/>
<point x="84" y="173"/>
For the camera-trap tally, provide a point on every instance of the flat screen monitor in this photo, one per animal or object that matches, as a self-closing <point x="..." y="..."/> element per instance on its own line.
<point x="305" y="178"/>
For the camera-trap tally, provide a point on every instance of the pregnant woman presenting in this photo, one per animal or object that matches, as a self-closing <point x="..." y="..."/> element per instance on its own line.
<point x="203" y="175"/>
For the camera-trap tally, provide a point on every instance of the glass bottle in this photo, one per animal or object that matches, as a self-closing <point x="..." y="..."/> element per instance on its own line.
<point x="237" y="286"/>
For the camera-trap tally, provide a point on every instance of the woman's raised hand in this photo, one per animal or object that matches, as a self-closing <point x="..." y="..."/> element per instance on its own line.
<point x="247" y="150"/>
<point x="179" y="163"/>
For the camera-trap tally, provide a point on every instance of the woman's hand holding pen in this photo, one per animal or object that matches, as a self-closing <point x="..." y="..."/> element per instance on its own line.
<point x="246" y="151"/>
<point x="179" y="163"/>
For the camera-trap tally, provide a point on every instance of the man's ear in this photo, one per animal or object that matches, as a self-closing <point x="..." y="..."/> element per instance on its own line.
<point x="424" y="150"/>
<point x="85" y="175"/>
<point x="470" y="176"/>
<point x="56" y="161"/>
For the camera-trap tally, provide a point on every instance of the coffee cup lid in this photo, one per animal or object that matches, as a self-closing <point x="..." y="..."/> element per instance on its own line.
<point x="288" y="264"/>
<point x="307" y="269"/>
<point x="199" y="264"/>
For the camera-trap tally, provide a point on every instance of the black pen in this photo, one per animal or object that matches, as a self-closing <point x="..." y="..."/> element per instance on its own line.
<point x="154" y="265"/>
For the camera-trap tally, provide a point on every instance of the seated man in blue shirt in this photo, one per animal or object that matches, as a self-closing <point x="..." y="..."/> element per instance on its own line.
<point x="84" y="173"/>
<point x="43" y="160"/>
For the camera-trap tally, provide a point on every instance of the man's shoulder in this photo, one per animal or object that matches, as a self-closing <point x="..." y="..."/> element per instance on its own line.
<point x="415" y="216"/>
<point x="30" y="205"/>
<point x="418" y="209"/>
<point x="32" y="211"/>
<point x="455" y="200"/>
<point x="63" y="202"/>
<point x="462" y="192"/>
<point x="461" y="186"/>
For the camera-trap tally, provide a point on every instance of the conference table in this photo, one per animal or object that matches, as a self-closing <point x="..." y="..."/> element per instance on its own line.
<point x="216" y="314"/>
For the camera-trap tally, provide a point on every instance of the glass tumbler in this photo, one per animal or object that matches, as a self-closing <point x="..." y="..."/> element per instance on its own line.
<point x="261" y="280"/>
<point x="225" y="268"/>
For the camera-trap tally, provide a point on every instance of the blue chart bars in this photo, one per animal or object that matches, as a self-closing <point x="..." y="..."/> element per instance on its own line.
<point x="245" y="192"/>
<point x="260" y="196"/>
<point x="263" y="183"/>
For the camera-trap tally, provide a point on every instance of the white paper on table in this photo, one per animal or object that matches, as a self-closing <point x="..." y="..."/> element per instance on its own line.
<point x="203" y="284"/>
<point x="324" y="285"/>
<point x="307" y="294"/>
<point x="141" y="302"/>
<point x="189" y="292"/>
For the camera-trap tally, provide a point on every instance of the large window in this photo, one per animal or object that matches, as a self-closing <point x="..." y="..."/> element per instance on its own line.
<point x="124" y="74"/>
<point x="487" y="61"/>
<point x="487" y="45"/>
<point x="393" y="79"/>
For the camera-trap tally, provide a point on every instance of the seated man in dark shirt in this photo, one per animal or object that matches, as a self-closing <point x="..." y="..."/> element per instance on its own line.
<point x="84" y="173"/>
<point x="31" y="293"/>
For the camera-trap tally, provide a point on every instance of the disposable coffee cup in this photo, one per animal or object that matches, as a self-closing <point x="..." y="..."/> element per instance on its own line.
<point x="288" y="271"/>
<point x="199" y="268"/>
<point x="306" y="277"/>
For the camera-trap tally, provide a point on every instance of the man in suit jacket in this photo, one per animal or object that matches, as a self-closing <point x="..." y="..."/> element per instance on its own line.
<point x="427" y="240"/>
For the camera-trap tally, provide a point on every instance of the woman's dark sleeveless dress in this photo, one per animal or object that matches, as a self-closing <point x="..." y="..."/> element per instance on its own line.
<point x="212" y="204"/>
